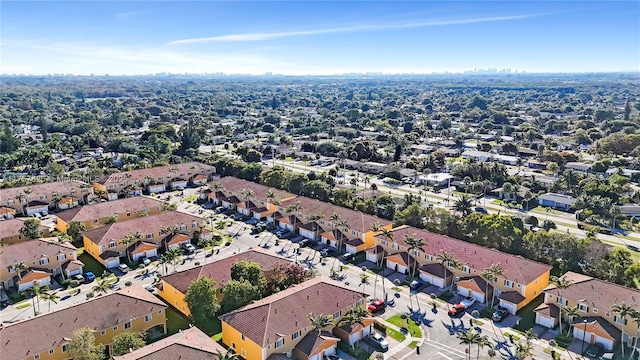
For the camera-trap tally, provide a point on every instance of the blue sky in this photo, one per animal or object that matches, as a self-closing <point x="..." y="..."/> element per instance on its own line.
<point x="328" y="37"/>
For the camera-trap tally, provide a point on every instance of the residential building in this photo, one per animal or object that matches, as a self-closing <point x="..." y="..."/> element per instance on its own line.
<point x="174" y="286"/>
<point x="47" y="336"/>
<point x="190" y="344"/>
<point x="41" y="258"/>
<point x="278" y="324"/>
<point x="28" y="200"/>
<point x="154" y="180"/>
<point x="257" y="205"/>
<point x="594" y="299"/>
<point x="7" y="213"/>
<point x="10" y="231"/>
<point x="100" y="214"/>
<point x="630" y="210"/>
<point x="578" y="166"/>
<point x="522" y="281"/>
<point x="556" y="201"/>
<point x="105" y="243"/>
<point x="438" y="179"/>
<point x="477" y="155"/>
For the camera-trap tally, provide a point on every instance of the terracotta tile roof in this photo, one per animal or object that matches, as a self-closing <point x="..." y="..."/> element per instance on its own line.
<point x="12" y="227"/>
<point x="49" y="331"/>
<point x="355" y="242"/>
<point x="474" y="283"/>
<point x="357" y="221"/>
<point x="595" y="293"/>
<point x="98" y="211"/>
<point x="435" y="269"/>
<point x="284" y="313"/>
<point x="513" y="297"/>
<point x="597" y="322"/>
<point x="178" y="238"/>
<point x="182" y="170"/>
<point x="109" y="255"/>
<point x="142" y="247"/>
<point x="33" y="275"/>
<point x="7" y="210"/>
<point x="233" y="186"/>
<point x="62" y="188"/>
<point x="352" y="329"/>
<point x="145" y="225"/>
<point x="314" y="342"/>
<point x="402" y="258"/>
<point x="33" y="250"/>
<point x="548" y="310"/>
<point x="72" y="265"/>
<point x="190" y="344"/>
<point x="516" y="268"/>
<point x="375" y="250"/>
<point x="220" y="270"/>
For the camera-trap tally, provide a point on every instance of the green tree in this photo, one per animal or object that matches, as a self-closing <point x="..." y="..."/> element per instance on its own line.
<point x="412" y="215"/>
<point x="319" y="322"/>
<point x="103" y="285"/>
<point x="414" y="243"/>
<point x="447" y="260"/>
<point x="127" y="341"/>
<point x="75" y="230"/>
<point x="490" y="275"/>
<point x="251" y="272"/>
<point x="571" y="313"/>
<point x="237" y="294"/>
<point x="463" y="205"/>
<point x="560" y="283"/>
<point x="82" y="345"/>
<point x="31" y="229"/>
<point x="471" y="337"/>
<point x="623" y="310"/>
<point x="228" y="355"/>
<point x="364" y="281"/>
<point x="201" y="298"/>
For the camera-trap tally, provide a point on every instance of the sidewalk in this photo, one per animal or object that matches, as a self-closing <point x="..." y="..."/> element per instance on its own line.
<point x="401" y="350"/>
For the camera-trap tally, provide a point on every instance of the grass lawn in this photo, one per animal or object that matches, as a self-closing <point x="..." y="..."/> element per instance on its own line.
<point x="396" y="335"/>
<point x="23" y="306"/>
<point x="176" y="321"/>
<point x="191" y="198"/>
<point x="528" y="316"/>
<point x="413" y="344"/>
<point x="91" y="264"/>
<point x="414" y="329"/>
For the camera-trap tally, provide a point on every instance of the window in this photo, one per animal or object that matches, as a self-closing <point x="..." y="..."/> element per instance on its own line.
<point x="562" y="301"/>
<point x="43" y="197"/>
<point x="51" y="351"/>
<point x="384" y="242"/>
<point x="508" y="283"/>
<point x="12" y="269"/>
<point x="607" y="314"/>
<point x="127" y="325"/>
<point x="183" y="227"/>
<point x="243" y="352"/>
<point x="65" y="347"/>
<point x="147" y="318"/>
<point x="620" y="320"/>
<point x="354" y="233"/>
<point x="583" y="307"/>
<point x="233" y="345"/>
<point x="242" y="337"/>
<point x="149" y="236"/>
<point x="10" y="202"/>
<point x="128" y="214"/>
<point x="103" y="332"/>
<point x="415" y="252"/>
<point x="36" y="357"/>
<point x="465" y="269"/>
<point x="44" y="261"/>
<point x="595" y="311"/>
<point x="115" y="328"/>
<point x="112" y="186"/>
<point x="112" y="245"/>
<point x="95" y="221"/>
<point x="160" y="311"/>
<point x="279" y="343"/>
<point x="194" y="225"/>
<point x="395" y="246"/>
<point x="321" y="222"/>
<point x="296" y="335"/>
<point x="337" y="315"/>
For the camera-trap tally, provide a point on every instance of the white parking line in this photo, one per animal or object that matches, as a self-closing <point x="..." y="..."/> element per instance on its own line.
<point x="444" y="356"/>
<point x="449" y="350"/>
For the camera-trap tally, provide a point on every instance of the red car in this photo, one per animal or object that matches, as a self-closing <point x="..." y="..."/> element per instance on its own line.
<point x="457" y="309"/>
<point x="376" y="305"/>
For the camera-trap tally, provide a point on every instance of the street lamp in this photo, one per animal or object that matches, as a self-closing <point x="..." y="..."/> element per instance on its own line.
<point x="584" y="334"/>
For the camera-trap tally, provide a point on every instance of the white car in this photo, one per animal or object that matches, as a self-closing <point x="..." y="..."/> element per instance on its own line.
<point x="146" y="261"/>
<point x="468" y="301"/>
<point x="379" y="340"/>
<point x="123" y="267"/>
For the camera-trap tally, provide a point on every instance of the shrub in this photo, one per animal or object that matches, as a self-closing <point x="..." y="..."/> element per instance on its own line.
<point x="380" y="327"/>
<point x="74" y="283"/>
<point x="128" y="283"/>
<point x="197" y="263"/>
<point x="532" y="220"/>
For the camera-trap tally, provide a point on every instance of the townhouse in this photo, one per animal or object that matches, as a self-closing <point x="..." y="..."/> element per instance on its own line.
<point x="231" y="192"/>
<point x="34" y="262"/>
<point x="522" y="281"/>
<point x="103" y="213"/>
<point x="154" y="180"/>
<point x="190" y="344"/>
<point x="106" y="244"/>
<point x="278" y="324"/>
<point x="47" y="336"/>
<point x="10" y="231"/>
<point x="594" y="300"/>
<point x="342" y="228"/>
<point x="28" y="200"/>
<point x="174" y="287"/>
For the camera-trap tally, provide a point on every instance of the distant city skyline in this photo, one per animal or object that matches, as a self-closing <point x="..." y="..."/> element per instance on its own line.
<point x="318" y="38"/>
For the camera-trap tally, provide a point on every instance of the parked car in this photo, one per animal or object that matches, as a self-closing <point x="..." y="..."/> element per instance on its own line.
<point x="416" y="284"/>
<point x="607" y="356"/>
<point x="379" y="340"/>
<point x="594" y="350"/>
<point x="468" y="301"/>
<point x="123" y="267"/>
<point x="78" y="277"/>
<point x="376" y="305"/>
<point x="89" y="276"/>
<point x="303" y="242"/>
<point x="324" y="252"/>
<point x="333" y="357"/>
<point x="456" y="310"/>
<point x="145" y="261"/>
<point x="188" y="248"/>
<point x="347" y="257"/>
<point x="482" y="210"/>
<point x="500" y="314"/>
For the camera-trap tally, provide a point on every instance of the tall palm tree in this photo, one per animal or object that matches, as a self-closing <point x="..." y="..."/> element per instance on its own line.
<point x="129" y="239"/>
<point x="623" y="310"/>
<point x="635" y="316"/>
<point x="344" y="229"/>
<point x="482" y="342"/>
<point x="463" y="205"/>
<point x="415" y="243"/>
<point x="293" y="209"/>
<point x="20" y="267"/>
<point x="318" y="322"/>
<point x="364" y="281"/>
<point x="560" y="283"/>
<point x="50" y="297"/>
<point x="335" y="218"/>
<point x="103" y="285"/>
<point x="270" y="195"/>
<point x="447" y="260"/>
<point x="387" y="235"/>
<point x="35" y="293"/>
<point x="355" y="315"/>
<point x="490" y="275"/>
<point x="571" y="313"/>
<point x="246" y="193"/>
<point x="169" y="231"/>
<point x="471" y="337"/>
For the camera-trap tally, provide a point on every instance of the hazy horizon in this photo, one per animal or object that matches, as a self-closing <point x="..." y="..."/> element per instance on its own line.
<point x="318" y="38"/>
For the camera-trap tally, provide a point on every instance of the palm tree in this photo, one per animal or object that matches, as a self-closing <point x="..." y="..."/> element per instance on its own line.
<point x="560" y="283"/>
<point x="373" y="188"/>
<point x="35" y="293"/>
<point x="469" y="338"/>
<point x="623" y="310"/>
<point x="447" y="259"/>
<point x="635" y="315"/>
<point x="173" y="256"/>
<point x="364" y="281"/>
<point x="51" y="297"/>
<point x="169" y="231"/>
<point x="386" y="234"/>
<point x="344" y="228"/>
<point x="21" y="197"/>
<point x="294" y="208"/>
<point x="415" y="243"/>
<point x="103" y="285"/>
<point x="463" y="205"/>
<point x="129" y="239"/>
<point x="20" y="267"/>
<point x="571" y="313"/>
<point x="228" y="355"/>
<point x="490" y="275"/>
<point x="246" y="193"/>
<point x="355" y="316"/>
<point x="482" y="342"/>
<point x="318" y="322"/>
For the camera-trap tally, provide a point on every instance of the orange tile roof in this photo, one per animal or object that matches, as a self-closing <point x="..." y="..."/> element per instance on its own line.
<point x="33" y="275"/>
<point x="143" y="247"/>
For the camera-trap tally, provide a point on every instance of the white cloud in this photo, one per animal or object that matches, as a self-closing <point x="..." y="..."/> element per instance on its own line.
<point x="373" y="27"/>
